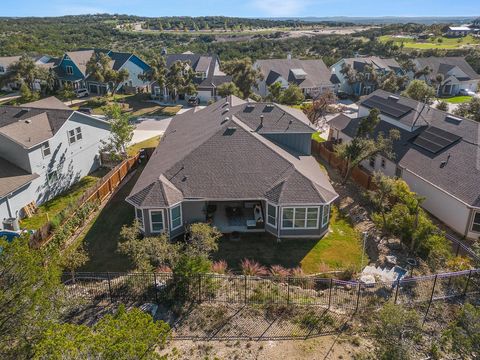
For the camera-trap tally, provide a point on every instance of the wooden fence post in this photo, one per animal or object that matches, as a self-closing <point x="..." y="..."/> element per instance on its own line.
<point x="109" y="287"/>
<point x="330" y="294"/>
<point x="431" y="299"/>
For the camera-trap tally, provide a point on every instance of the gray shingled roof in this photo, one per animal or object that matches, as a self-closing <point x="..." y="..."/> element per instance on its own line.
<point x="213" y="154"/>
<point x="47" y="103"/>
<point x="12" y="177"/>
<point x="31" y="126"/>
<point x="378" y="63"/>
<point x="442" y="65"/>
<point x="460" y="175"/>
<point x="317" y="73"/>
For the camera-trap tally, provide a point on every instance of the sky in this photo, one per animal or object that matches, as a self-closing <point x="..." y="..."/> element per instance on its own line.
<point x="243" y="8"/>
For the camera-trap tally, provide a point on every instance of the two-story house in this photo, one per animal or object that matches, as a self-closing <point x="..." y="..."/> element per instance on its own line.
<point x="72" y="69"/>
<point x="438" y="156"/>
<point x="356" y="76"/>
<point x="208" y="76"/>
<point x="45" y="147"/>
<point x="240" y="166"/>
<point x="448" y="75"/>
<point x="312" y="76"/>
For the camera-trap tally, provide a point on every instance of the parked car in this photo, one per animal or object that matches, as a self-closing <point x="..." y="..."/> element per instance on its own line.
<point x="342" y="95"/>
<point x="81" y="93"/>
<point x="466" y="92"/>
<point x="193" y="101"/>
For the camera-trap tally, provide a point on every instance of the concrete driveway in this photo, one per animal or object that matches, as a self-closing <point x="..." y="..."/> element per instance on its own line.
<point x="148" y="127"/>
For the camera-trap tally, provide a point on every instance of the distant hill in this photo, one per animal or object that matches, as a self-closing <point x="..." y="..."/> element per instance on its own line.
<point x="387" y="19"/>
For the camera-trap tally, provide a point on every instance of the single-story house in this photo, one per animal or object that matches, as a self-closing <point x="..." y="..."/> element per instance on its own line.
<point x="312" y="76"/>
<point x="72" y="69"/>
<point x="455" y="72"/>
<point x="438" y="156"/>
<point x="241" y="166"/>
<point x="208" y="76"/>
<point x="458" y="31"/>
<point x="45" y="147"/>
<point x="358" y="80"/>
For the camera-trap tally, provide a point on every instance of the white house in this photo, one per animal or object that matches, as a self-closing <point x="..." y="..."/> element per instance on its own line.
<point x="455" y="74"/>
<point x="45" y="147"/>
<point x="312" y="76"/>
<point x="438" y="156"/>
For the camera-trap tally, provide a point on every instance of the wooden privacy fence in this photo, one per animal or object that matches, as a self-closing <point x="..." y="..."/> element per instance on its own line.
<point x="99" y="192"/>
<point x="325" y="151"/>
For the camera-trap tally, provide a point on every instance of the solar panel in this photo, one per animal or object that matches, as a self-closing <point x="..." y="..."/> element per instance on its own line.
<point x="388" y="106"/>
<point x="434" y="139"/>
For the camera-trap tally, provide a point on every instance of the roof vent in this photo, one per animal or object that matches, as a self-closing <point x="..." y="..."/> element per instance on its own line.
<point x="261" y="119"/>
<point x="28" y="121"/>
<point x="393" y="97"/>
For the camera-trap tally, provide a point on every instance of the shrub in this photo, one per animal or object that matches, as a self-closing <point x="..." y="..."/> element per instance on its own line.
<point x="298" y="272"/>
<point x="279" y="272"/>
<point x="442" y="105"/>
<point x="253" y="268"/>
<point x="220" y="267"/>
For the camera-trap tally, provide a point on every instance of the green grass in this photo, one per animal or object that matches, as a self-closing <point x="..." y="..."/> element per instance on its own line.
<point x="340" y="248"/>
<point x="316" y="137"/>
<point x="52" y="208"/>
<point x="456" y="99"/>
<point x="432" y="43"/>
<point x="149" y="143"/>
<point x="101" y="236"/>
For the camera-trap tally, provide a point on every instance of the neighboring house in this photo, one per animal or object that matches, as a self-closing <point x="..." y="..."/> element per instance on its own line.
<point x="312" y="76"/>
<point x="455" y="74"/>
<point x="438" y="155"/>
<point x="459" y="31"/>
<point x="72" y="69"/>
<point x="207" y="76"/>
<point x="45" y="147"/>
<point x="241" y="166"/>
<point x="360" y="82"/>
<point x="44" y="61"/>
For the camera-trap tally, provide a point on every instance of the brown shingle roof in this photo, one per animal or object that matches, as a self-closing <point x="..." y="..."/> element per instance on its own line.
<point x="12" y="177"/>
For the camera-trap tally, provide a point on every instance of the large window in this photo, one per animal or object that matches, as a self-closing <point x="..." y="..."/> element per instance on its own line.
<point x="300" y="218"/>
<point x="156" y="221"/>
<point x="325" y="215"/>
<point x="139" y="216"/>
<point x="476" y="222"/>
<point x="271" y="215"/>
<point x="46" y="149"/>
<point x="176" y="216"/>
<point x="75" y="135"/>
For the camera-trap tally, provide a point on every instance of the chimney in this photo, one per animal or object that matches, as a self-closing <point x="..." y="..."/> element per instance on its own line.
<point x="261" y="120"/>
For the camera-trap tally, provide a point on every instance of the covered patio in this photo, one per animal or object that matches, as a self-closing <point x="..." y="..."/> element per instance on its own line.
<point x="240" y="216"/>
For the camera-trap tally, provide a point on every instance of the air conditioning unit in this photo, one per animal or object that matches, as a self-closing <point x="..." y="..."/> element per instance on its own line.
<point x="11" y="224"/>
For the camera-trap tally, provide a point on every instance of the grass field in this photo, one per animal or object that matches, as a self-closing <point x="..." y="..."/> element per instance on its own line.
<point x="340" y="248"/>
<point x="52" y="208"/>
<point x="457" y="99"/>
<point x="316" y="137"/>
<point x="149" y="143"/>
<point x="433" y="43"/>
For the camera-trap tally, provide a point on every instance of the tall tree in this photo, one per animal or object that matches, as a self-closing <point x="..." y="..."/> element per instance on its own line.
<point x="30" y="296"/>
<point x="99" y="68"/>
<point x="419" y="90"/>
<point x="244" y="75"/>
<point x="121" y="132"/>
<point x="320" y="107"/>
<point x="382" y="194"/>
<point x="292" y="95"/>
<point x="158" y="72"/>
<point x="24" y="71"/>
<point x="470" y="109"/>
<point x="179" y="79"/>
<point x="227" y="89"/>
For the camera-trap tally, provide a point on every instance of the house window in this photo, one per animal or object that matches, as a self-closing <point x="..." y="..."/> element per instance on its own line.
<point x="69" y="70"/>
<point x="371" y="162"/>
<point x="300" y="218"/>
<point x="271" y="215"/>
<point x="46" y="149"/>
<point x="325" y="215"/>
<point x="382" y="163"/>
<point x="156" y="221"/>
<point x="139" y="216"/>
<point x="176" y="216"/>
<point x="74" y="135"/>
<point x="476" y="222"/>
<point x="2" y="69"/>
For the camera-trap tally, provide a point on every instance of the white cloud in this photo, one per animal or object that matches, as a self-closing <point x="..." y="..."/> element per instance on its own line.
<point x="278" y="8"/>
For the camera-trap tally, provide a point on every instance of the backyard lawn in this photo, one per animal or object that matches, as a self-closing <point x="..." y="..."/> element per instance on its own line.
<point x="149" y="143"/>
<point x="432" y="43"/>
<point x="52" y="208"/>
<point x="340" y="248"/>
<point x="456" y="99"/>
<point x="316" y="137"/>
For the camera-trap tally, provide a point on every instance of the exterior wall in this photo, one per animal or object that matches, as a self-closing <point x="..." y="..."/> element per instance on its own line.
<point x="193" y="211"/>
<point x="286" y="233"/>
<point x="77" y="74"/>
<point x="451" y="211"/>
<point x="204" y="95"/>
<point x="134" y="68"/>
<point x="11" y="205"/>
<point x="389" y="169"/>
<point x="72" y="162"/>
<point x="14" y="153"/>
<point x="298" y="142"/>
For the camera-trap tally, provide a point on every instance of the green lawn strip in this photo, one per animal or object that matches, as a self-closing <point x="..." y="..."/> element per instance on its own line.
<point x="316" y="137"/>
<point x="51" y="208"/>
<point x="445" y="43"/>
<point x="101" y="236"/>
<point x="149" y="143"/>
<point x="456" y="99"/>
<point x="340" y="248"/>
